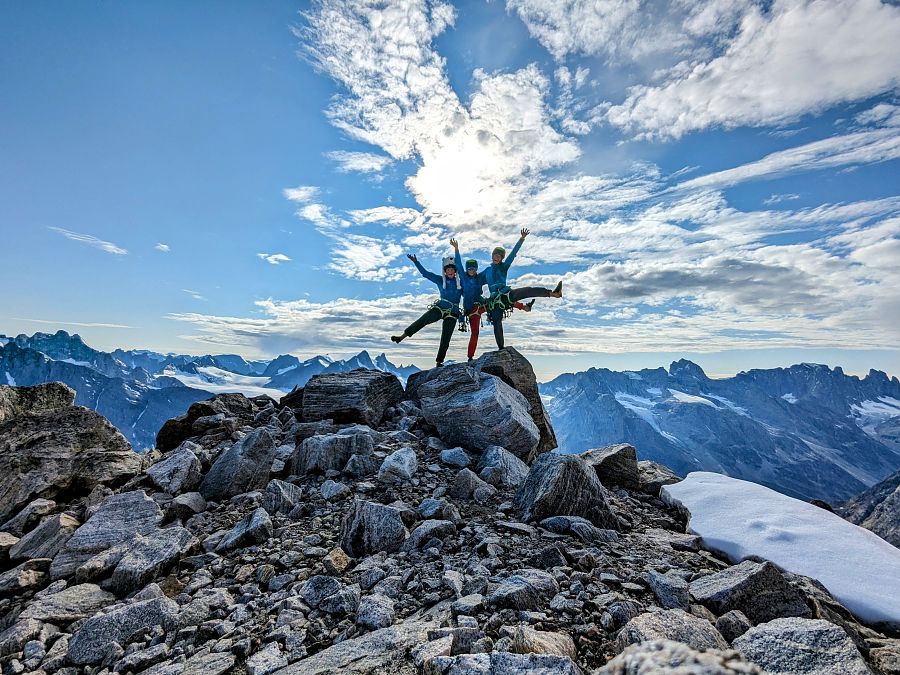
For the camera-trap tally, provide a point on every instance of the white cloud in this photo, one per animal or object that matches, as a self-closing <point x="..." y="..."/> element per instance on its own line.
<point x="74" y="323"/>
<point x="778" y="199"/>
<point x="273" y="258"/>
<point x="361" y="162"/>
<point x="366" y="258"/>
<point x="301" y="194"/>
<point x="90" y="240"/>
<point x="194" y="294"/>
<point x="778" y="67"/>
<point x="162" y="247"/>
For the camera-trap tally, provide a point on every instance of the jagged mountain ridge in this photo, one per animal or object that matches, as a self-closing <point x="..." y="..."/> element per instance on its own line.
<point x="138" y="390"/>
<point x="807" y="431"/>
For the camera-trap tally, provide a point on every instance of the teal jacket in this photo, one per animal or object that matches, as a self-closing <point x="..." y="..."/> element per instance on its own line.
<point x="495" y="275"/>
<point x="471" y="286"/>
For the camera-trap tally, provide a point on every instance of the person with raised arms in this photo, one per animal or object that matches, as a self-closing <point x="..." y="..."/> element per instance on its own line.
<point x="445" y="309"/>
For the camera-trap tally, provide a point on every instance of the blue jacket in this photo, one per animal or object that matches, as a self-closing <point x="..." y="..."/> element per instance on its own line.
<point x="495" y="275"/>
<point x="471" y="286"/>
<point x="450" y="290"/>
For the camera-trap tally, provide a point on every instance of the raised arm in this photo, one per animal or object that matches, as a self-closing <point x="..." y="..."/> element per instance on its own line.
<point x="457" y="257"/>
<point x="512" y="254"/>
<point x="431" y="276"/>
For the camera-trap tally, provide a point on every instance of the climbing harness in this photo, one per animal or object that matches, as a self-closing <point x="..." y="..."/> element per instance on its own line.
<point x="446" y="308"/>
<point x="500" y="299"/>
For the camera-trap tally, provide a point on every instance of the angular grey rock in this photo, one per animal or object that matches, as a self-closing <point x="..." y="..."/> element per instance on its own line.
<point x="501" y="468"/>
<point x="14" y="638"/>
<point x="329" y="452"/>
<point x="759" y="590"/>
<point x="564" y="485"/>
<point x="792" y="646"/>
<point x="527" y="589"/>
<point x="455" y="457"/>
<point x="148" y="556"/>
<point x="333" y="491"/>
<point x="175" y="431"/>
<point x="878" y="509"/>
<point x="116" y="521"/>
<point x="47" y="539"/>
<point x="579" y="527"/>
<point x="243" y="467"/>
<point x="254" y="528"/>
<point x="177" y="473"/>
<point x="361" y="466"/>
<point x="671" y="624"/>
<point x="733" y="624"/>
<point x="187" y="504"/>
<point x="7" y="541"/>
<point x="345" y="601"/>
<point x="31" y="574"/>
<point x="476" y="410"/>
<point x="654" y="475"/>
<point x="91" y="641"/>
<point x="18" y="401"/>
<point x="266" y="660"/>
<point x="375" y="611"/>
<point x="502" y="663"/>
<point x="357" y="396"/>
<point x="660" y="656"/>
<point x="467" y="486"/>
<point x="202" y="663"/>
<point x="370" y="527"/>
<point x="281" y="497"/>
<point x="318" y="588"/>
<point x="514" y="369"/>
<point x="615" y="465"/>
<point x="527" y="640"/>
<point x="670" y="589"/>
<point x="68" y="451"/>
<point x="399" y="466"/>
<point x="439" y="509"/>
<point x="68" y="605"/>
<point x="427" y="530"/>
<point x="28" y="517"/>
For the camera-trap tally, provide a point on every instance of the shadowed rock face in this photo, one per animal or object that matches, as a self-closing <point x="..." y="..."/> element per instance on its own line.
<point x="878" y="509"/>
<point x="59" y="449"/>
<point x="358" y="396"/>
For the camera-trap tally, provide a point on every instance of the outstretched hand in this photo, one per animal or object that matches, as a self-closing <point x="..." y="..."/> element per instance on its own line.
<point x="525" y="232"/>
<point x="412" y="256"/>
<point x="454" y="244"/>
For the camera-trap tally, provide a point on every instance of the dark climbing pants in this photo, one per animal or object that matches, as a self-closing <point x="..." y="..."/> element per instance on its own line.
<point x="515" y="295"/>
<point x="429" y="317"/>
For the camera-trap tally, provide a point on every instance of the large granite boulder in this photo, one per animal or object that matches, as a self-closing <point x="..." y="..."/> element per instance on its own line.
<point x="514" y="369"/>
<point x="178" y="429"/>
<point x="502" y="663"/>
<point x="118" y="519"/>
<point x="476" y="410"/>
<point x="792" y="645"/>
<point x="370" y="527"/>
<point x="564" y="485"/>
<point x="330" y="452"/>
<point x="528" y="589"/>
<point x="147" y="556"/>
<point x="671" y="624"/>
<point x="615" y="465"/>
<point x="17" y="401"/>
<point x="653" y="476"/>
<point x="499" y="467"/>
<point x="254" y="528"/>
<point x="660" y="656"/>
<point x="55" y="450"/>
<point x="357" y="396"/>
<point x="878" y="509"/>
<point x="70" y="604"/>
<point x="759" y="590"/>
<point x="177" y="473"/>
<point x="245" y="466"/>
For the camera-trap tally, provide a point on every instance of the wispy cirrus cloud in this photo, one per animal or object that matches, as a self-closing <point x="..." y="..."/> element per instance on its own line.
<point x="163" y="248"/>
<point x="196" y="295"/>
<point x="81" y="324"/>
<point x="359" y="162"/>
<point x="90" y="240"/>
<point x="273" y="258"/>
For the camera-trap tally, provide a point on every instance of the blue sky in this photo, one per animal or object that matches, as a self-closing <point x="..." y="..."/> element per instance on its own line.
<point x="715" y="180"/>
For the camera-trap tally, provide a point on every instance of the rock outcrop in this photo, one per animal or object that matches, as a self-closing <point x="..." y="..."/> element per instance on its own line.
<point x="375" y="540"/>
<point x="878" y="509"/>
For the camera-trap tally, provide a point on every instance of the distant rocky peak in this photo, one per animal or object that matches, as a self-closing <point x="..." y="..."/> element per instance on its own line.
<point x="683" y="369"/>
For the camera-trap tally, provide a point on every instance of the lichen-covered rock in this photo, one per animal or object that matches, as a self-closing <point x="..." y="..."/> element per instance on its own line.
<point x="68" y="605"/>
<point x="116" y="521"/>
<point x="243" y="467"/>
<point x="564" y="485"/>
<point x="499" y="467"/>
<point x="16" y="401"/>
<point x="357" y="396"/>
<point x="514" y="369"/>
<point x="375" y="611"/>
<point x="654" y="657"/>
<point x="60" y="451"/>
<point x="281" y="496"/>
<point x="793" y="645"/>
<point x="370" y="527"/>
<point x="177" y="473"/>
<point x="475" y="410"/>
<point x="399" y="466"/>
<point x="759" y="590"/>
<point x="671" y="624"/>
<point x="502" y="663"/>
<point x="615" y="465"/>
<point x="178" y="429"/>
<point x="525" y="589"/>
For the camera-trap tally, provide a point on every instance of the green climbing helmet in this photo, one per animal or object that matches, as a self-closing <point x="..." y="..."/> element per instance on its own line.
<point x="471" y="263"/>
<point x="500" y="250"/>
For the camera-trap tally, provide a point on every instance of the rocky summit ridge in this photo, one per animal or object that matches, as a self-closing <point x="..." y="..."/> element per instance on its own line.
<point x="355" y="526"/>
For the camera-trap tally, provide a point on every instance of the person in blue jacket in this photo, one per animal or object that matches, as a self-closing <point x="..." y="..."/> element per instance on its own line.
<point x="502" y="298"/>
<point x="446" y="309"/>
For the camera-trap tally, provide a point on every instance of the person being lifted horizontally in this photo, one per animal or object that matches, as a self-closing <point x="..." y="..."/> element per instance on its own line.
<point x="446" y="309"/>
<point x="502" y="298"/>
<point x="473" y="303"/>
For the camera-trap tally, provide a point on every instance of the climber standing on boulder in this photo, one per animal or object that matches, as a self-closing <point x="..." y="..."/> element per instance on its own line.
<point x="503" y="298"/>
<point x="445" y="309"/>
<point x="474" y="304"/>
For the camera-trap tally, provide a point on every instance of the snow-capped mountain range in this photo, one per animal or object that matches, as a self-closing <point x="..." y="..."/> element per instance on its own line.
<point x="808" y="431"/>
<point x="138" y="390"/>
